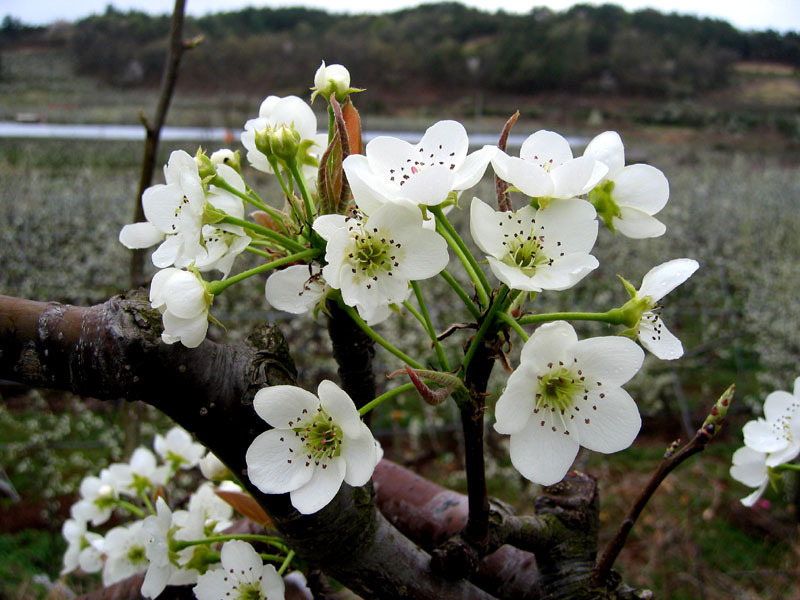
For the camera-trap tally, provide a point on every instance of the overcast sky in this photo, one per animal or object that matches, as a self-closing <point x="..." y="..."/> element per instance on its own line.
<point x="782" y="15"/>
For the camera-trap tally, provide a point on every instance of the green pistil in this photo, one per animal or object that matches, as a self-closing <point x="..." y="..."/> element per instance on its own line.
<point x="525" y="253"/>
<point x="558" y="389"/>
<point x="249" y="591"/>
<point x="322" y="438"/>
<point x="136" y="554"/>
<point x="373" y="255"/>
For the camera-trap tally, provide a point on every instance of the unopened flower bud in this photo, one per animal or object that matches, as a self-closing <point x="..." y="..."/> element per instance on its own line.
<point x="284" y="143"/>
<point x="212" y="468"/>
<point x="332" y="79"/>
<point x="227" y="157"/>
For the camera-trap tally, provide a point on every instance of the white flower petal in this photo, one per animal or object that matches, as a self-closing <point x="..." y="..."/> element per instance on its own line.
<point x="284" y="406"/>
<point x="321" y="489"/>
<point x="166" y="254"/>
<point x="241" y="556"/>
<point x="779" y="403"/>
<point x="513" y="277"/>
<point x="760" y="435"/>
<point x="787" y="454"/>
<point x="576" y="177"/>
<point x="611" y="360"/>
<point x="338" y="404"/>
<point x="546" y="147"/>
<point x="360" y="456"/>
<point x="527" y="177"/>
<point x="541" y="455"/>
<point x="655" y="337"/>
<point x="551" y="342"/>
<point x="516" y="403"/>
<point x="749" y="466"/>
<point x="473" y="168"/>
<point x="275" y="463"/>
<point x="612" y="425"/>
<point x="429" y="186"/>
<point x="425" y="256"/>
<point x="751" y="499"/>
<point x="294" y="290"/>
<point x="641" y="186"/>
<point x="186" y="295"/>
<point x="327" y="225"/>
<point x="571" y="222"/>
<point x="565" y="272"/>
<point x="213" y="585"/>
<point x="637" y="225"/>
<point x="661" y="280"/>
<point x="483" y="225"/>
<point x="608" y="149"/>
<point x="190" y="332"/>
<point x="140" y="235"/>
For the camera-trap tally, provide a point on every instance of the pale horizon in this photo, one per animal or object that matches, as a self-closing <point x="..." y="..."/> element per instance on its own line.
<point x="779" y="15"/>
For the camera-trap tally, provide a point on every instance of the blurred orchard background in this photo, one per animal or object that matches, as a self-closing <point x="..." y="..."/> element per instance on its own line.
<point x="715" y="108"/>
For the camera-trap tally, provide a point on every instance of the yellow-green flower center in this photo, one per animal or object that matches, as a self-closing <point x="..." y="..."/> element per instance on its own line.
<point x="374" y="252"/>
<point x="321" y="438"/>
<point x="558" y="389"/>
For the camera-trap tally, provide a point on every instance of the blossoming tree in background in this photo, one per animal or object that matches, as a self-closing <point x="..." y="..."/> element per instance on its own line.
<point x="353" y="239"/>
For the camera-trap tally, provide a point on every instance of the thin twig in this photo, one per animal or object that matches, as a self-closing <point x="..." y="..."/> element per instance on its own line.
<point x="672" y="459"/>
<point x="501" y="187"/>
<point x="177" y="46"/>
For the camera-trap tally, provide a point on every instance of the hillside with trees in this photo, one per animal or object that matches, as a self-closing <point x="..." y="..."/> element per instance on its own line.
<point x="439" y="49"/>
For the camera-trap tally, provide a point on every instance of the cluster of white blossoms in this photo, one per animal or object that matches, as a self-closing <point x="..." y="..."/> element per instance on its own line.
<point x="367" y="248"/>
<point x="770" y="442"/>
<point x="162" y="543"/>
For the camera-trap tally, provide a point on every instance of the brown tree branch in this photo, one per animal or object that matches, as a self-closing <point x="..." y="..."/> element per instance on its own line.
<point x="673" y="457"/>
<point x="114" y="350"/>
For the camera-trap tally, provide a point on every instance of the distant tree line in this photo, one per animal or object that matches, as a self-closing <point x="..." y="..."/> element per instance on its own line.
<point x="442" y="48"/>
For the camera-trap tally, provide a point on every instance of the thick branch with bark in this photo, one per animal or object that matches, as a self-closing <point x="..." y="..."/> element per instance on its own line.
<point x="114" y="350"/>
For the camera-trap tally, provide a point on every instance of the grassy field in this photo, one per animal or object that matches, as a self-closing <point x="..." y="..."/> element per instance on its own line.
<point x="735" y="207"/>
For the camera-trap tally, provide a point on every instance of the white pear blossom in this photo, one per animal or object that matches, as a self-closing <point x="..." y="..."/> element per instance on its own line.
<point x="175" y="214"/>
<point x="213" y="508"/>
<point x="537" y="249"/>
<point x="125" y="551"/>
<point x="142" y="472"/>
<point x="331" y="79"/>
<point x="81" y="551"/>
<point x="98" y="497"/>
<point x="276" y="112"/>
<point x="566" y="394"/>
<point x="627" y="197"/>
<point x="243" y="576"/>
<point x="777" y="433"/>
<point x="392" y="170"/>
<point x="372" y="259"/>
<point x="178" y="448"/>
<point x="657" y="283"/>
<point x="546" y="168"/>
<point x="174" y="211"/>
<point x="749" y="467"/>
<point x="316" y="443"/>
<point x="183" y="301"/>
